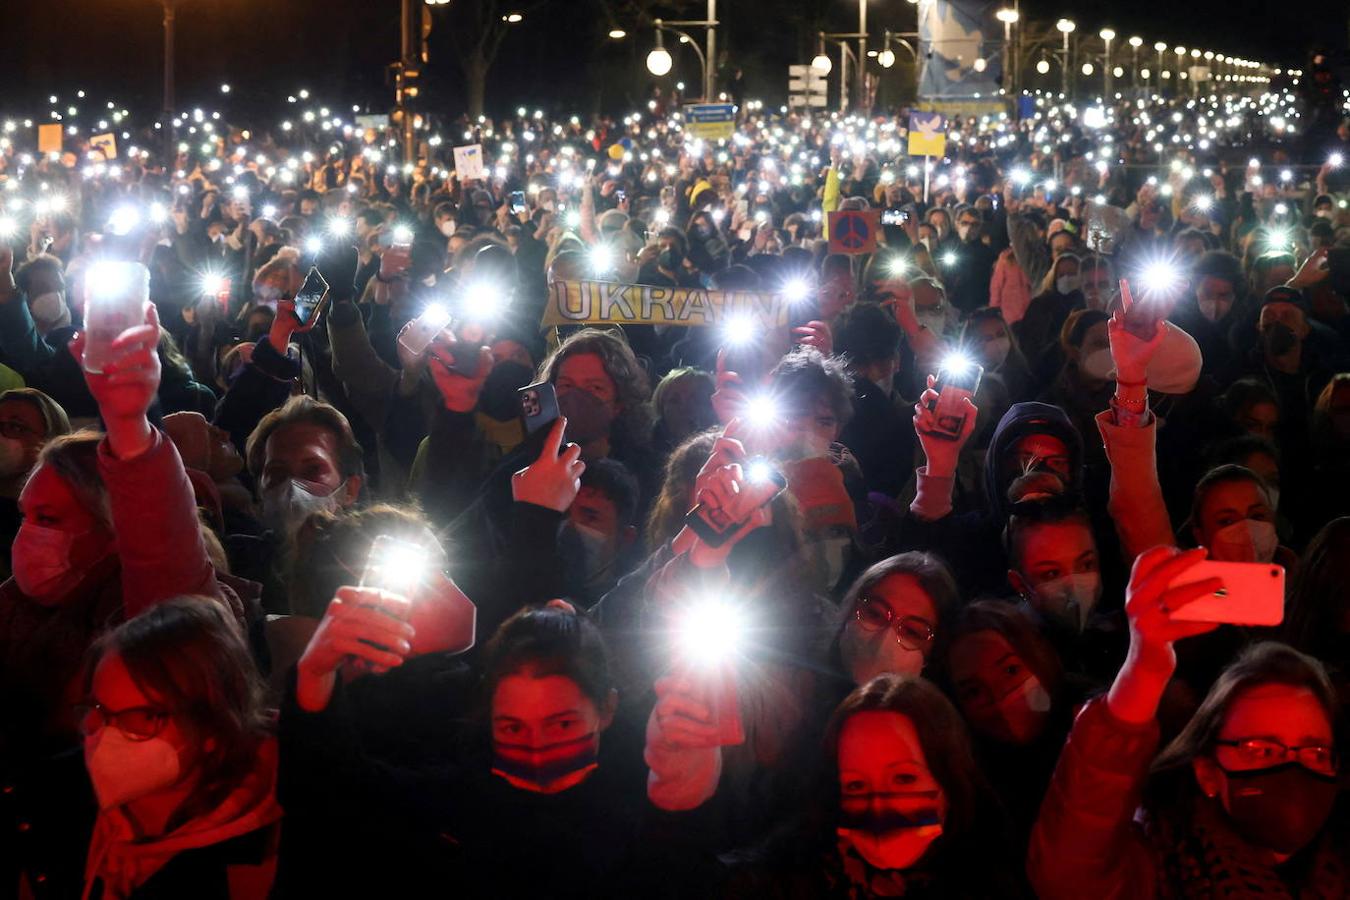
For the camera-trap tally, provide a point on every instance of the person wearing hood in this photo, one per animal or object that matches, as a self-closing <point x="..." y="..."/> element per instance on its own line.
<point x="1083" y="386"/>
<point x="1038" y="331"/>
<point x="1212" y="307"/>
<point x="969" y="275"/>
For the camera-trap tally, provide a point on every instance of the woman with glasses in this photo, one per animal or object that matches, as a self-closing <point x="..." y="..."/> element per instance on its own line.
<point x="1243" y="802"/>
<point x="182" y="762"/>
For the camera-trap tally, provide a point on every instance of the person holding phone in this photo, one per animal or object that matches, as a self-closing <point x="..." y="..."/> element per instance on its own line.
<point x="1248" y="785"/>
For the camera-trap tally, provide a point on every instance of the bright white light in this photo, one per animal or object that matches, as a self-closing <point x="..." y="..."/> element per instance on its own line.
<point x="483" y="301"/>
<point x="212" y="284"/>
<point x="1161" y="278"/>
<point x="339" y="227"/>
<point x="403" y="234"/>
<point x="269" y="211"/>
<point x="123" y="219"/>
<point x="436" y="315"/>
<point x="711" y="631"/>
<point x="8" y="226"/>
<point x="1335" y="160"/>
<point x="395" y="565"/>
<point x="822" y="65"/>
<point x="957" y="364"/>
<point x="796" y="289"/>
<point x="758" y="471"/>
<point x="313" y="244"/>
<point x="602" y="258"/>
<point x="761" y="411"/>
<point x="659" y="62"/>
<point x="897" y="268"/>
<point x="739" y="330"/>
<point x="949" y="258"/>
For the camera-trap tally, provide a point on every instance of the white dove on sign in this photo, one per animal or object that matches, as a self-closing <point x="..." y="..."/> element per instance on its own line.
<point x="930" y="126"/>
<point x="950" y="40"/>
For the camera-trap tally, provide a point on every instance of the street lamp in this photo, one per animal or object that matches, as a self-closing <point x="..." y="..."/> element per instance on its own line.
<point x="659" y="61"/>
<point x="1066" y="28"/>
<point x="1009" y="18"/>
<point x="886" y="58"/>
<point x="822" y="64"/>
<point x="1043" y="66"/>
<point x="1107" y="35"/>
<point x="1161" y="47"/>
<point x="1135" y="43"/>
<point x="660" y="58"/>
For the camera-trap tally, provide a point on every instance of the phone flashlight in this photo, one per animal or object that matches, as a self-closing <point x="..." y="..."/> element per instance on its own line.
<point x="1161" y="278"/>
<point x="269" y="211"/>
<point x="602" y="259"/>
<point x="313" y="245"/>
<point x="1203" y="202"/>
<point x="897" y="268"/>
<point x="739" y="330"/>
<point x="711" y="631"/>
<point x="158" y="214"/>
<point x="212" y="284"/>
<point x="123" y="220"/>
<point x="1335" y="160"/>
<point x="761" y="411"/>
<point x="949" y="259"/>
<point x="403" y="234"/>
<point x="958" y="378"/>
<point x="339" y="227"/>
<point x="796" y="289"/>
<point x="8" y="226"/>
<point x="395" y="565"/>
<point x="573" y="218"/>
<point x="482" y="300"/>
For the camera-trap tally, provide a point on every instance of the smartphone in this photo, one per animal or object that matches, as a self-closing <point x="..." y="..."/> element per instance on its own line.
<point x="953" y="389"/>
<point x="394" y="565"/>
<point x="424" y="329"/>
<point x="518" y="204"/>
<point x="538" y="406"/>
<point x="894" y="217"/>
<point x="714" y="527"/>
<point x="1252" y="594"/>
<point x="223" y="294"/>
<point x="312" y="297"/>
<point x="395" y="260"/>
<point x="117" y="293"/>
<point x="460" y="357"/>
<point x="620" y="195"/>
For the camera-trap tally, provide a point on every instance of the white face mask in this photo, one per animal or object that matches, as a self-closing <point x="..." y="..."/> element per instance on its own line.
<point x="963" y="231"/>
<point x="1069" y="599"/>
<point x="1066" y="284"/>
<point x="43" y="568"/>
<point x="996" y="352"/>
<point x="834" y="556"/>
<point x="49" y="310"/>
<point x="1245" y="541"/>
<point x="12" y="453"/>
<point x="447" y="227"/>
<point x="287" y="507"/>
<point x="123" y="770"/>
<point x="1098" y="364"/>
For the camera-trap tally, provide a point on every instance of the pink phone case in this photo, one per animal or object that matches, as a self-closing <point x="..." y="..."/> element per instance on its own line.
<point x="1252" y="594"/>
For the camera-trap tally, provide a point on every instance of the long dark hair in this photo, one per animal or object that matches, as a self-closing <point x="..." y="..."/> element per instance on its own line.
<point x="188" y="655"/>
<point x="1320" y="595"/>
<point x="933" y="577"/>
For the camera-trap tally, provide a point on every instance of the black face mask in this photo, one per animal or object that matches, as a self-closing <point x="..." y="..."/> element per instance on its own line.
<point x="1281" y="808"/>
<point x="498" y="398"/>
<point x="1279" y="338"/>
<point x="671" y="260"/>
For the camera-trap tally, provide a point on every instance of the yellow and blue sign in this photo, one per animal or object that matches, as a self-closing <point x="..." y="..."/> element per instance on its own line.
<point x="710" y="121"/>
<point x="927" y="134"/>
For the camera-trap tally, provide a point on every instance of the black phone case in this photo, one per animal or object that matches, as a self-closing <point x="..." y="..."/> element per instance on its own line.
<point x="538" y="406"/>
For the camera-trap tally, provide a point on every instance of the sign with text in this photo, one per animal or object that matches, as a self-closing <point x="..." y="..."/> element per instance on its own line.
<point x="854" y="231"/>
<point x="710" y="121"/>
<point x="469" y="162"/>
<point x="610" y="303"/>
<point x="927" y="134"/>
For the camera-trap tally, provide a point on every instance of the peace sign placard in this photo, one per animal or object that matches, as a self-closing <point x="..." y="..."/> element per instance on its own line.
<point x="854" y="231"/>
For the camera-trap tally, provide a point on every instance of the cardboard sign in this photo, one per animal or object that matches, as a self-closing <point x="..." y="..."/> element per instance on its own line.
<point x="854" y="231"/>
<point x="49" y="138"/>
<point x="927" y="134"/>
<point x="469" y="162"/>
<point x="105" y="144"/>
<point x="710" y="121"/>
<point x="610" y="303"/>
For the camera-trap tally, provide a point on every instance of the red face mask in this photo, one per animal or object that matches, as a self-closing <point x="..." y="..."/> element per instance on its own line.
<point x="891" y="830"/>
<point x="542" y="768"/>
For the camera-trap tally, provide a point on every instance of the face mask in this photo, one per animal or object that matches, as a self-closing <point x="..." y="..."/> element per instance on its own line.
<point x="963" y="231"/>
<point x="498" y="398"/>
<point x="935" y="322"/>
<point x="671" y="260"/>
<point x="996" y="352"/>
<point x="540" y="769"/>
<point x="1209" y="309"/>
<point x="123" y="770"/>
<point x="1279" y="338"/>
<point x="43" y="565"/>
<point x="1245" y="541"/>
<point x="447" y="227"/>
<point x="1097" y="364"/>
<point x="1066" y="284"/>
<point x="927" y="243"/>
<point x="588" y="417"/>
<point x="12" y="455"/>
<point x="1281" y="808"/>
<point x="1070" y="599"/>
<point x="1018" y="716"/>
<point x="891" y="831"/>
<point x="49" y="310"/>
<point x="1323" y="214"/>
<point x="286" y="508"/>
<point x="591" y="547"/>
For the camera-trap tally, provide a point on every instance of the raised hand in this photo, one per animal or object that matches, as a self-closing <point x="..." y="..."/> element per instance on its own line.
<point x="127" y="385"/>
<point x="941" y="453"/>
<point x="816" y="334"/>
<point x="553" y="480"/>
<point x="460" y="392"/>
<point x="364" y="624"/>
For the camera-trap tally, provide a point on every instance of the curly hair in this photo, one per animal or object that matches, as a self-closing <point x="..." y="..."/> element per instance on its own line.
<point x="630" y="379"/>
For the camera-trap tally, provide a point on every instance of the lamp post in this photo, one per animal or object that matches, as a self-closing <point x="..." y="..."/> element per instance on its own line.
<point x="1107" y="35"/>
<point x="1195" y="63"/>
<point x="1009" y="18"/>
<point x="1181" y="54"/>
<point x="170" y="145"/>
<point x="1161" y="47"/>
<point x="1066" y="28"/>
<point x="1135" y="43"/>
<point x="659" y="61"/>
<point x="861" y="86"/>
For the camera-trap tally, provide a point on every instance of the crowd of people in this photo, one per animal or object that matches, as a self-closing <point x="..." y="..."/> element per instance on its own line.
<point x="302" y="601"/>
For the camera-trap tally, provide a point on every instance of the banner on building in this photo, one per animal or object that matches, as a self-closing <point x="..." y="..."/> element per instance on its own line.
<point x="961" y="44"/>
<point x="610" y="303"/>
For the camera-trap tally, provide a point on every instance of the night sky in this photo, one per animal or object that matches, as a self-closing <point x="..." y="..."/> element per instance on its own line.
<point x="559" y="57"/>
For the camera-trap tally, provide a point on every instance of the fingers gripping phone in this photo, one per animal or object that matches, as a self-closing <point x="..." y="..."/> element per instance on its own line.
<point x="954" y="387"/>
<point x="518" y="204"/>
<point x="312" y="297"/>
<point x="425" y="329"/>
<point x="1252" y="594"/>
<point x="715" y="526"/>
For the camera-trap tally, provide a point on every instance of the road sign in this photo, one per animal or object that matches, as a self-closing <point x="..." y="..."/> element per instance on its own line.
<point x="854" y="231"/>
<point x="710" y="121"/>
<point x="927" y="134"/>
<point x="806" y="87"/>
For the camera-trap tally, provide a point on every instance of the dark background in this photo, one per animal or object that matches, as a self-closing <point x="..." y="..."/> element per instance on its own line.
<point x="558" y="58"/>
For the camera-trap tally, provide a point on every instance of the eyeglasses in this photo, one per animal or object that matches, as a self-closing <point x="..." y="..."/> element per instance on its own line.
<point x="16" y="429"/>
<point x="1262" y="752"/>
<point x="1029" y="461"/>
<point x="911" y="632"/>
<point x="140" y="723"/>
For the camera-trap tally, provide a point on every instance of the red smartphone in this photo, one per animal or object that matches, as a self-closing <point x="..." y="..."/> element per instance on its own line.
<point x="1252" y="594"/>
<point x="715" y="527"/>
<point x="954" y="386"/>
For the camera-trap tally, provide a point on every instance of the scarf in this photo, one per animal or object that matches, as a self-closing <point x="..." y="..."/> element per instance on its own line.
<point x="858" y="879"/>
<point x="1211" y="860"/>
<point x="123" y="862"/>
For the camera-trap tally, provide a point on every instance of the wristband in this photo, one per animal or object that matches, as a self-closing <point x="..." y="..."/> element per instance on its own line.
<point x="1120" y="383"/>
